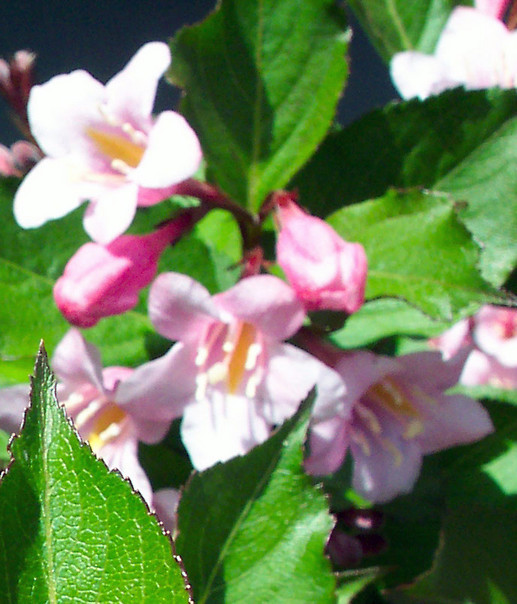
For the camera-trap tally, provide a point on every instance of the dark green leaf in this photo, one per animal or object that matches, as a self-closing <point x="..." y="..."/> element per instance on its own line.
<point x="254" y="528"/>
<point x="417" y="250"/>
<point x="71" y="531"/>
<point x="476" y="559"/>
<point x="262" y="79"/>
<point x="462" y="143"/>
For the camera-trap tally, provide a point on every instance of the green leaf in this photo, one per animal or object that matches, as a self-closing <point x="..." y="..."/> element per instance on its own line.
<point x="462" y="143"/>
<point x="396" y="25"/>
<point x="261" y="527"/>
<point x="417" y="250"/>
<point x="71" y="530"/>
<point x="262" y="80"/>
<point x="476" y="559"/>
<point x="384" y="318"/>
<point x="353" y="582"/>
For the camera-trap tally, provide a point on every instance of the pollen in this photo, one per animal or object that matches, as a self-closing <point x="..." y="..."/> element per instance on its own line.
<point x="121" y="150"/>
<point x="107" y="426"/>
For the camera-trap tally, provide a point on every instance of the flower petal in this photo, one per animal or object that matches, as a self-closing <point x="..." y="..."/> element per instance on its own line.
<point x="419" y="75"/>
<point x="130" y="94"/>
<point x="62" y="109"/>
<point x="180" y="308"/>
<point x="329" y="441"/>
<point x="157" y="392"/>
<point x="221" y="428"/>
<point x="173" y="153"/>
<point x="378" y="476"/>
<point x="122" y="455"/>
<point x="455" y="420"/>
<point x="267" y="303"/>
<point x="290" y="375"/>
<point x="111" y="213"/>
<point x="165" y="504"/>
<point x="50" y="190"/>
<point x="13" y="402"/>
<point x="76" y="362"/>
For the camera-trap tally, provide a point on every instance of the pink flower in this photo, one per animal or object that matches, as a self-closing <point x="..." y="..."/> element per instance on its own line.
<point x="325" y="271"/>
<point x="475" y="50"/>
<point x="107" y="410"/>
<point x="399" y="414"/>
<point x="103" y="145"/>
<point x="100" y="281"/>
<point x="489" y="338"/>
<point x="229" y="373"/>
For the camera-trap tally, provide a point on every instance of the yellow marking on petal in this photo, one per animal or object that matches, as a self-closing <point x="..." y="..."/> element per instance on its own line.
<point x="369" y="417"/>
<point x="117" y="147"/>
<point x="237" y="365"/>
<point x="389" y="446"/>
<point x="202" y="356"/>
<point x="413" y="429"/>
<point x="254" y="352"/>
<point x="106" y="427"/>
<point x="87" y="413"/>
<point x="217" y="372"/>
<point x="359" y="438"/>
<point x="390" y="397"/>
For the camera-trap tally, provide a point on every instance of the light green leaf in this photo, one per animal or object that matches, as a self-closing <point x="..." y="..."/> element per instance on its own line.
<point x="396" y="25"/>
<point x="262" y="80"/>
<point x="384" y="318"/>
<point x="417" y="250"/>
<point x="261" y="527"/>
<point x="462" y="143"/>
<point x="71" y="531"/>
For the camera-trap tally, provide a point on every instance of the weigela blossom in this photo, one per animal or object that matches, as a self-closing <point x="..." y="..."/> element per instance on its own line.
<point x="475" y="50"/>
<point x="399" y="414"/>
<point x="103" y="145"/>
<point x="108" y="412"/>
<point x="325" y="271"/>
<point x="229" y="373"/>
<point x="100" y="281"/>
<point x="490" y="340"/>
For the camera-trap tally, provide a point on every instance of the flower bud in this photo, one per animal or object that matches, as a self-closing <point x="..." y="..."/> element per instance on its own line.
<point x="326" y="271"/>
<point x="100" y="281"/>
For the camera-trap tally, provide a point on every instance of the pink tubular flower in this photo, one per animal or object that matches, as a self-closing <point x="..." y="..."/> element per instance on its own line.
<point x="490" y="340"/>
<point x="103" y="145"/>
<point x="229" y="373"/>
<point x="100" y="281"/>
<point x="325" y="271"/>
<point x="475" y="50"/>
<point x="399" y="414"/>
<point x="107" y="410"/>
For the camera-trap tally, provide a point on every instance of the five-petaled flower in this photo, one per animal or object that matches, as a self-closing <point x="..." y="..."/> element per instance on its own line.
<point x="399" y="414"/>
<point x="108" y="409"/>
<point x="229" y="374"/>
<point x="103" y="145"/>
<point x="475" y="50"/>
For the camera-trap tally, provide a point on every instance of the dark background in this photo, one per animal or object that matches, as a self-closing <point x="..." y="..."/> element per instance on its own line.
<point x="101" y="37"/>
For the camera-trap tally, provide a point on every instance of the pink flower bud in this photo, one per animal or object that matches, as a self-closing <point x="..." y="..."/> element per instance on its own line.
<point x="100" y="281"/>
<point x="325" y="271"/>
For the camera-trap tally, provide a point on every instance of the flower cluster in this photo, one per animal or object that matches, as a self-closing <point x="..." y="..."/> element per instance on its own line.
<point x="242" y="360"/>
